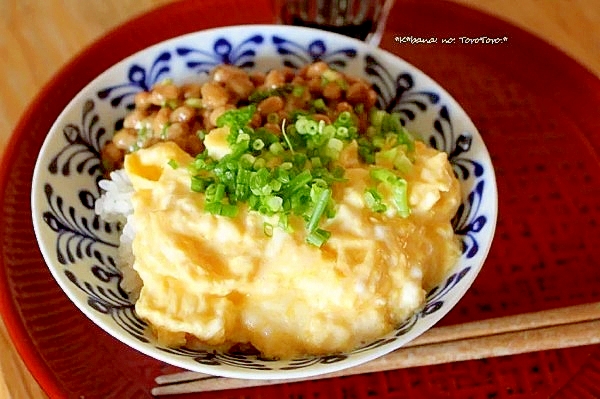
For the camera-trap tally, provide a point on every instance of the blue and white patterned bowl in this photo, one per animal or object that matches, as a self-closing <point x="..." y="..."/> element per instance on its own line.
<point x="81" y="250"/>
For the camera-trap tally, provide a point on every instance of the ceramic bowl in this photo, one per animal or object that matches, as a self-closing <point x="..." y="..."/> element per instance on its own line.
<point x="80" y="249"/>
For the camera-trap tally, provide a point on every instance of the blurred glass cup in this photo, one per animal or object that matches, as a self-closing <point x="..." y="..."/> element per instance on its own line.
<point x="361" y="19"/>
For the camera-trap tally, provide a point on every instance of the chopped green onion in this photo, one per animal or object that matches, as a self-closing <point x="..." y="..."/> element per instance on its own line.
<point x="366" y="150"/>
<point x="247" y="161"/>
<point x="237" y="121"/>
<point x="286" y="165"/>
<point x="218" y="208"/>
<point x="329" y="131"/>
<point x="193" y="102"/>
<point x="376" y="117"/>
<point x="298" y="91"/>
<point x="173" y="163"/>
<point x="320" y="126"/>
<point x="299" y="160"/>
<point x="300" y="180"/>
<point x="268" y="229"/>
<point x="334" y="147"/>
<point x="292" y="174"/>
<point x="164" y="131"/>
<point x="400" y="197"/>
<point x="319" y="209"/>
<point x="373" y="200"/>
<point x="330" y="75"/>
<point x="242" y="137"/>
<point x="312" y="128"/>
<point x="199" y="184"/>
<point x="259" y="95"/>
<point x="282" y="175"/>
<point x="258" y="144"/>
<point x="284" y="222"/>
<point x="143" y="132"/>
<point x="379" y="142"/>
<point x="344" y="119"/>
<point x="259" y="182"/>
<point x="383" y="175"/>
<point x="229" y="210"/>
<point x="274" y="203"/>
<point x="402" y="163"/>
<point x="318" y="237"/>
<point x="170" y="104"/>
<point x="301" y="125"/>
<point x="273" y="118"/>
<point x="276" y="148"/>
<point x="275" y="185"/>
<point x="398" y="186"/>
<point x="342" y="132"/>
<point x="319" y="104"/>
<point x="260" y="163"/>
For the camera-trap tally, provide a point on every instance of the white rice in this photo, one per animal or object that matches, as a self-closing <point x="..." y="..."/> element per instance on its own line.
<point x="114" y="205"/>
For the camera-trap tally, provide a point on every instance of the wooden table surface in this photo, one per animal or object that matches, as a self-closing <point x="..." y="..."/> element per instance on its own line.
<point x="37" y="37"/>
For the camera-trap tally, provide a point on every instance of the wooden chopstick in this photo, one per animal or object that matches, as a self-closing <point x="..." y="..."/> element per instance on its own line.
<point x="550" y="329"/>
<point x="518" y="322"/>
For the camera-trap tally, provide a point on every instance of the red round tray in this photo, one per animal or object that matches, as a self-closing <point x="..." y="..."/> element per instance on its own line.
<point x="538" y="112"/>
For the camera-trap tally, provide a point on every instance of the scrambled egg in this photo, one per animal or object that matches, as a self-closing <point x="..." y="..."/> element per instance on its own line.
<point x="220" y="281"/>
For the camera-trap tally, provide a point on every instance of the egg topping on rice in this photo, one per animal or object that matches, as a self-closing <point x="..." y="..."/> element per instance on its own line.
<point x="313" y="236"/>
<point x="222" y="281"/>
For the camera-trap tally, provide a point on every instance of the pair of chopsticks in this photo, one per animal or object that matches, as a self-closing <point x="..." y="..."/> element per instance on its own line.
<point x="529" y="332"/>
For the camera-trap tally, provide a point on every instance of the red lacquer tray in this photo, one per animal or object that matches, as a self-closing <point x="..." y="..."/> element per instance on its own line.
<point x="538" y="112"/>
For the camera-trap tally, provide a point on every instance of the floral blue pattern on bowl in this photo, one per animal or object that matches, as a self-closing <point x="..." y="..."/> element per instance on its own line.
<point x="80" y="249"/>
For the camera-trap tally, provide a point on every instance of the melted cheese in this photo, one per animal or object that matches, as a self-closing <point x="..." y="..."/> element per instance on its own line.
<point x="221" y="281"/>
